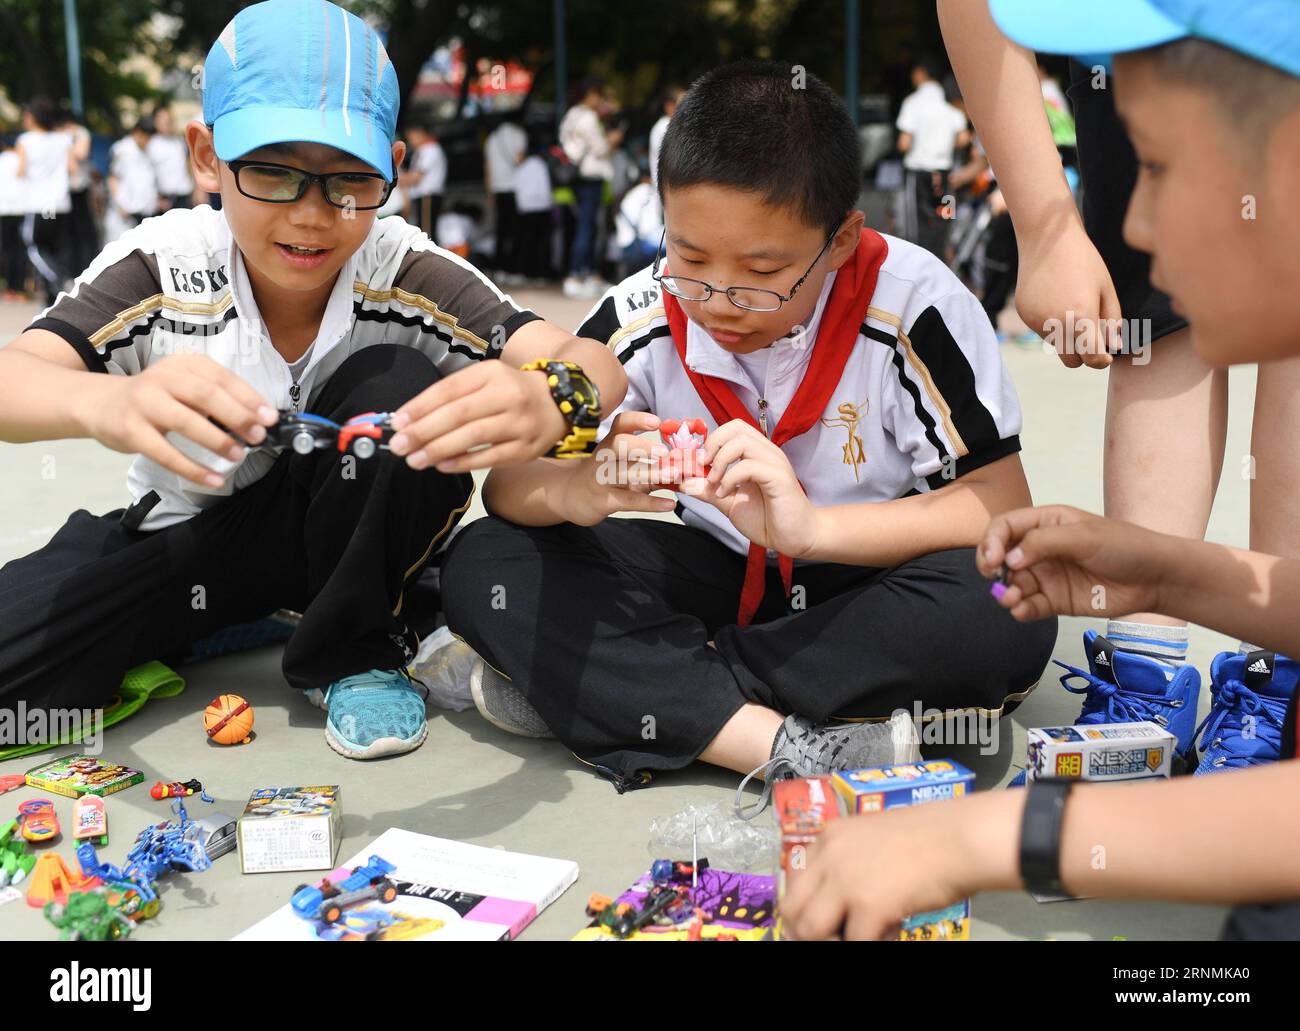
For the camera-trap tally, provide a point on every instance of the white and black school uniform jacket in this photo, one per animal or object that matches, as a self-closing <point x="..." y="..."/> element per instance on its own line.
<point x="177" y="283"/>
<point x="924" y="397"/>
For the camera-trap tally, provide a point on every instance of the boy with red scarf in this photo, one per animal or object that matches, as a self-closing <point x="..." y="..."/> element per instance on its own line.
<point x="810" y="347"/>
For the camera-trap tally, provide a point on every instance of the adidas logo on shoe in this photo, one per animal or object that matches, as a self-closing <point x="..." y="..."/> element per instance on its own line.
<point x="1102" y="660"/>
<point x="1259" y="666"/>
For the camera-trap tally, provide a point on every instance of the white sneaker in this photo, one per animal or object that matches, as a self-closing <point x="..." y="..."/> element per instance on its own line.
<point x="574" y="287"/>
<point x="594" y="286"/>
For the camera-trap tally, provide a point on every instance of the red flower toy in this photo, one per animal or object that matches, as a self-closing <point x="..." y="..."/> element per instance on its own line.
<point x="684" y="438"/>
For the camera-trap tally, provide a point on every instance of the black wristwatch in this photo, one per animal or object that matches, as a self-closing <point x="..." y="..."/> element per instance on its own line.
<point x="579" y="402"/>
<point x="1040" y="835"/>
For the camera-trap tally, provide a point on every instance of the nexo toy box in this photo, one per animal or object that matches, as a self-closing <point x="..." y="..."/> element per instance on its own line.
<point x="290" y="829"/>
<point x="1107" y="751"/>
<point x="878" y="788"/>
<point x="887" y="787"/>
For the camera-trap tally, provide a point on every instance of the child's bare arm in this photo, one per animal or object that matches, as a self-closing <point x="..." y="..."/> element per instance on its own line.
<point x="1067" y="562"/>
<point x="1138" y="841"/>
<point x="581" y="490"/>
<point x="753" y="484"/>
<point x="45" y="389"/>
<point x="1060" y="269"/>
<point x="889" y="532"/>
<point x="46" y="394"/>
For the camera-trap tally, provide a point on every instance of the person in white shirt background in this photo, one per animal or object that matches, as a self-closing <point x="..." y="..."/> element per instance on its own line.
<point x="83" y="229"/>
<point x="640" y="223"/>
<point x="535" y="209"/>
<point x="132" y="181"/>
<point x="929" y="131"/>
<point x="13" y="254"/>
<point x="171" y="163"/>
<point x="45" y="163"/>
<point x="428" y="179"/>
<point x="671" y="96"/>
<point x="502" y="153"/>
<point x="588" y="144"/>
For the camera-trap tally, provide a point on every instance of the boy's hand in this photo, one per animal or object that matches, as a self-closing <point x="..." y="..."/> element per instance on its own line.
<point x="866" y="873"/>
<point x="615" y="479"/>
<point x="1062" y="277"/>
<point x="183" y="394"/>
<point x="752" y="483"/>
<point x="1067" y="562"/>
<point x="489" y="403"/>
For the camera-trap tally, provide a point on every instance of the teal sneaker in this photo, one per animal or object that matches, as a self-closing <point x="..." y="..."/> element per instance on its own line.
<point x="372" y="714"/>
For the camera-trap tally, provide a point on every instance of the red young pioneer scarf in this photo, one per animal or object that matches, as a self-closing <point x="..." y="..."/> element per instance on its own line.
<point x="845" y="311"/>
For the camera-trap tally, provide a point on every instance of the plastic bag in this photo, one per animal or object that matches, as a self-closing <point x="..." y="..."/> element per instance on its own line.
<point x="443" y="665"/>
<point x="728" y="842"/>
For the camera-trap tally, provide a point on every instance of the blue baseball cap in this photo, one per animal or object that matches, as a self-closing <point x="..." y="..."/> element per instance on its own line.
<point x="1267" y="30"/>
<point x="285" y="71"/>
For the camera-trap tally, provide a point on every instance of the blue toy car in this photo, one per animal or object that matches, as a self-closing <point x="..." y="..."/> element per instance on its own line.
<point x="327" y="901"/>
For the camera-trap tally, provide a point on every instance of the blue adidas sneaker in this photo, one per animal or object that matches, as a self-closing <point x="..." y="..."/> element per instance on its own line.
<point x="376" y="713"/>
<point x="1244" y="725"/>
<point x="1121" y="687"/>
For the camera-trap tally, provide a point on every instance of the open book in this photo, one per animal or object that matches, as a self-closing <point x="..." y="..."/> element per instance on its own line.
<point x="444" y="890"/>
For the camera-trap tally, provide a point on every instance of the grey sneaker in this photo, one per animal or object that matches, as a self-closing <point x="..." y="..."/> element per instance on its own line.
<point x="502" y="705"/>
<point x="804" y="749"/>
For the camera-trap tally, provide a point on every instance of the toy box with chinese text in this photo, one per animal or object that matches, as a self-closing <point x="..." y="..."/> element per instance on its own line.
<point x="878" y="788"/>
<point x="1102" y="752"/>
<point x="290" y="829"/>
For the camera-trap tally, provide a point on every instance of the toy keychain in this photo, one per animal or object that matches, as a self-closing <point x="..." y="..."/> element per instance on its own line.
<point x="179" y="789"/>
<point x="90" y="819"/>
<point x="1000" y="585"/>
<point x="685" y="439"/>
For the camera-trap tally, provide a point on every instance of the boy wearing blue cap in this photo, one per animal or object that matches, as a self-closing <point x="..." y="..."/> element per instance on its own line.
<point x="1156" y="474"/>
<point x="217" y="326"/>
<point x="1232" y="76"/>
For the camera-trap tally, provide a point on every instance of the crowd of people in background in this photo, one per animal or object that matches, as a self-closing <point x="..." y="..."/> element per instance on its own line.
<point x="579" y="207"/>
<point x="56" y="208"/>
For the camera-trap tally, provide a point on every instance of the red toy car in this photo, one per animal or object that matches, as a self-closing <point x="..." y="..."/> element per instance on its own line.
<point x="364" y="434"/>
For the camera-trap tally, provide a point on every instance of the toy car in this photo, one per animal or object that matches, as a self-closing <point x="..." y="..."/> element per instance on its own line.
<point x="214" y="833"/>
<point x="302" y="431"/>
<point x="364" y="434"/>
<point x="327" y="901"/>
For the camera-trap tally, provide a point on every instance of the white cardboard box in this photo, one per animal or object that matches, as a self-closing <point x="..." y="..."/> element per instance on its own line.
<point x="1102" y="752"/>
<point x="290" y="829"/>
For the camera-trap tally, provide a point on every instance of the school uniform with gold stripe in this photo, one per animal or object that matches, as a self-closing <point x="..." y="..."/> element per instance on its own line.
<point x="335" y="538"/>
<point x="894" y="387"/>
<point x="178" y="283"/>
<point x="924" y="397"/>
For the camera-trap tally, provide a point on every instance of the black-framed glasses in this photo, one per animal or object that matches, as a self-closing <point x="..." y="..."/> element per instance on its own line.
<point x="750" y="298"/>
<point x="284" y="184"/>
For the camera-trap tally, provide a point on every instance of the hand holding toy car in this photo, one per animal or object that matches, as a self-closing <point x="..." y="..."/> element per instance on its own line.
<point x="182" y="394"/>
<point x="486" y="414"/>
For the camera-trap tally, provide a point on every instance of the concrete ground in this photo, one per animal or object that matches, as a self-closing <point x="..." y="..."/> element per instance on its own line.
<point x="473" y="783"/>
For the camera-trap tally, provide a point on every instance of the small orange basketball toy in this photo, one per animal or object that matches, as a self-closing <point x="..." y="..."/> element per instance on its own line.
<point x="228" y="720"/>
